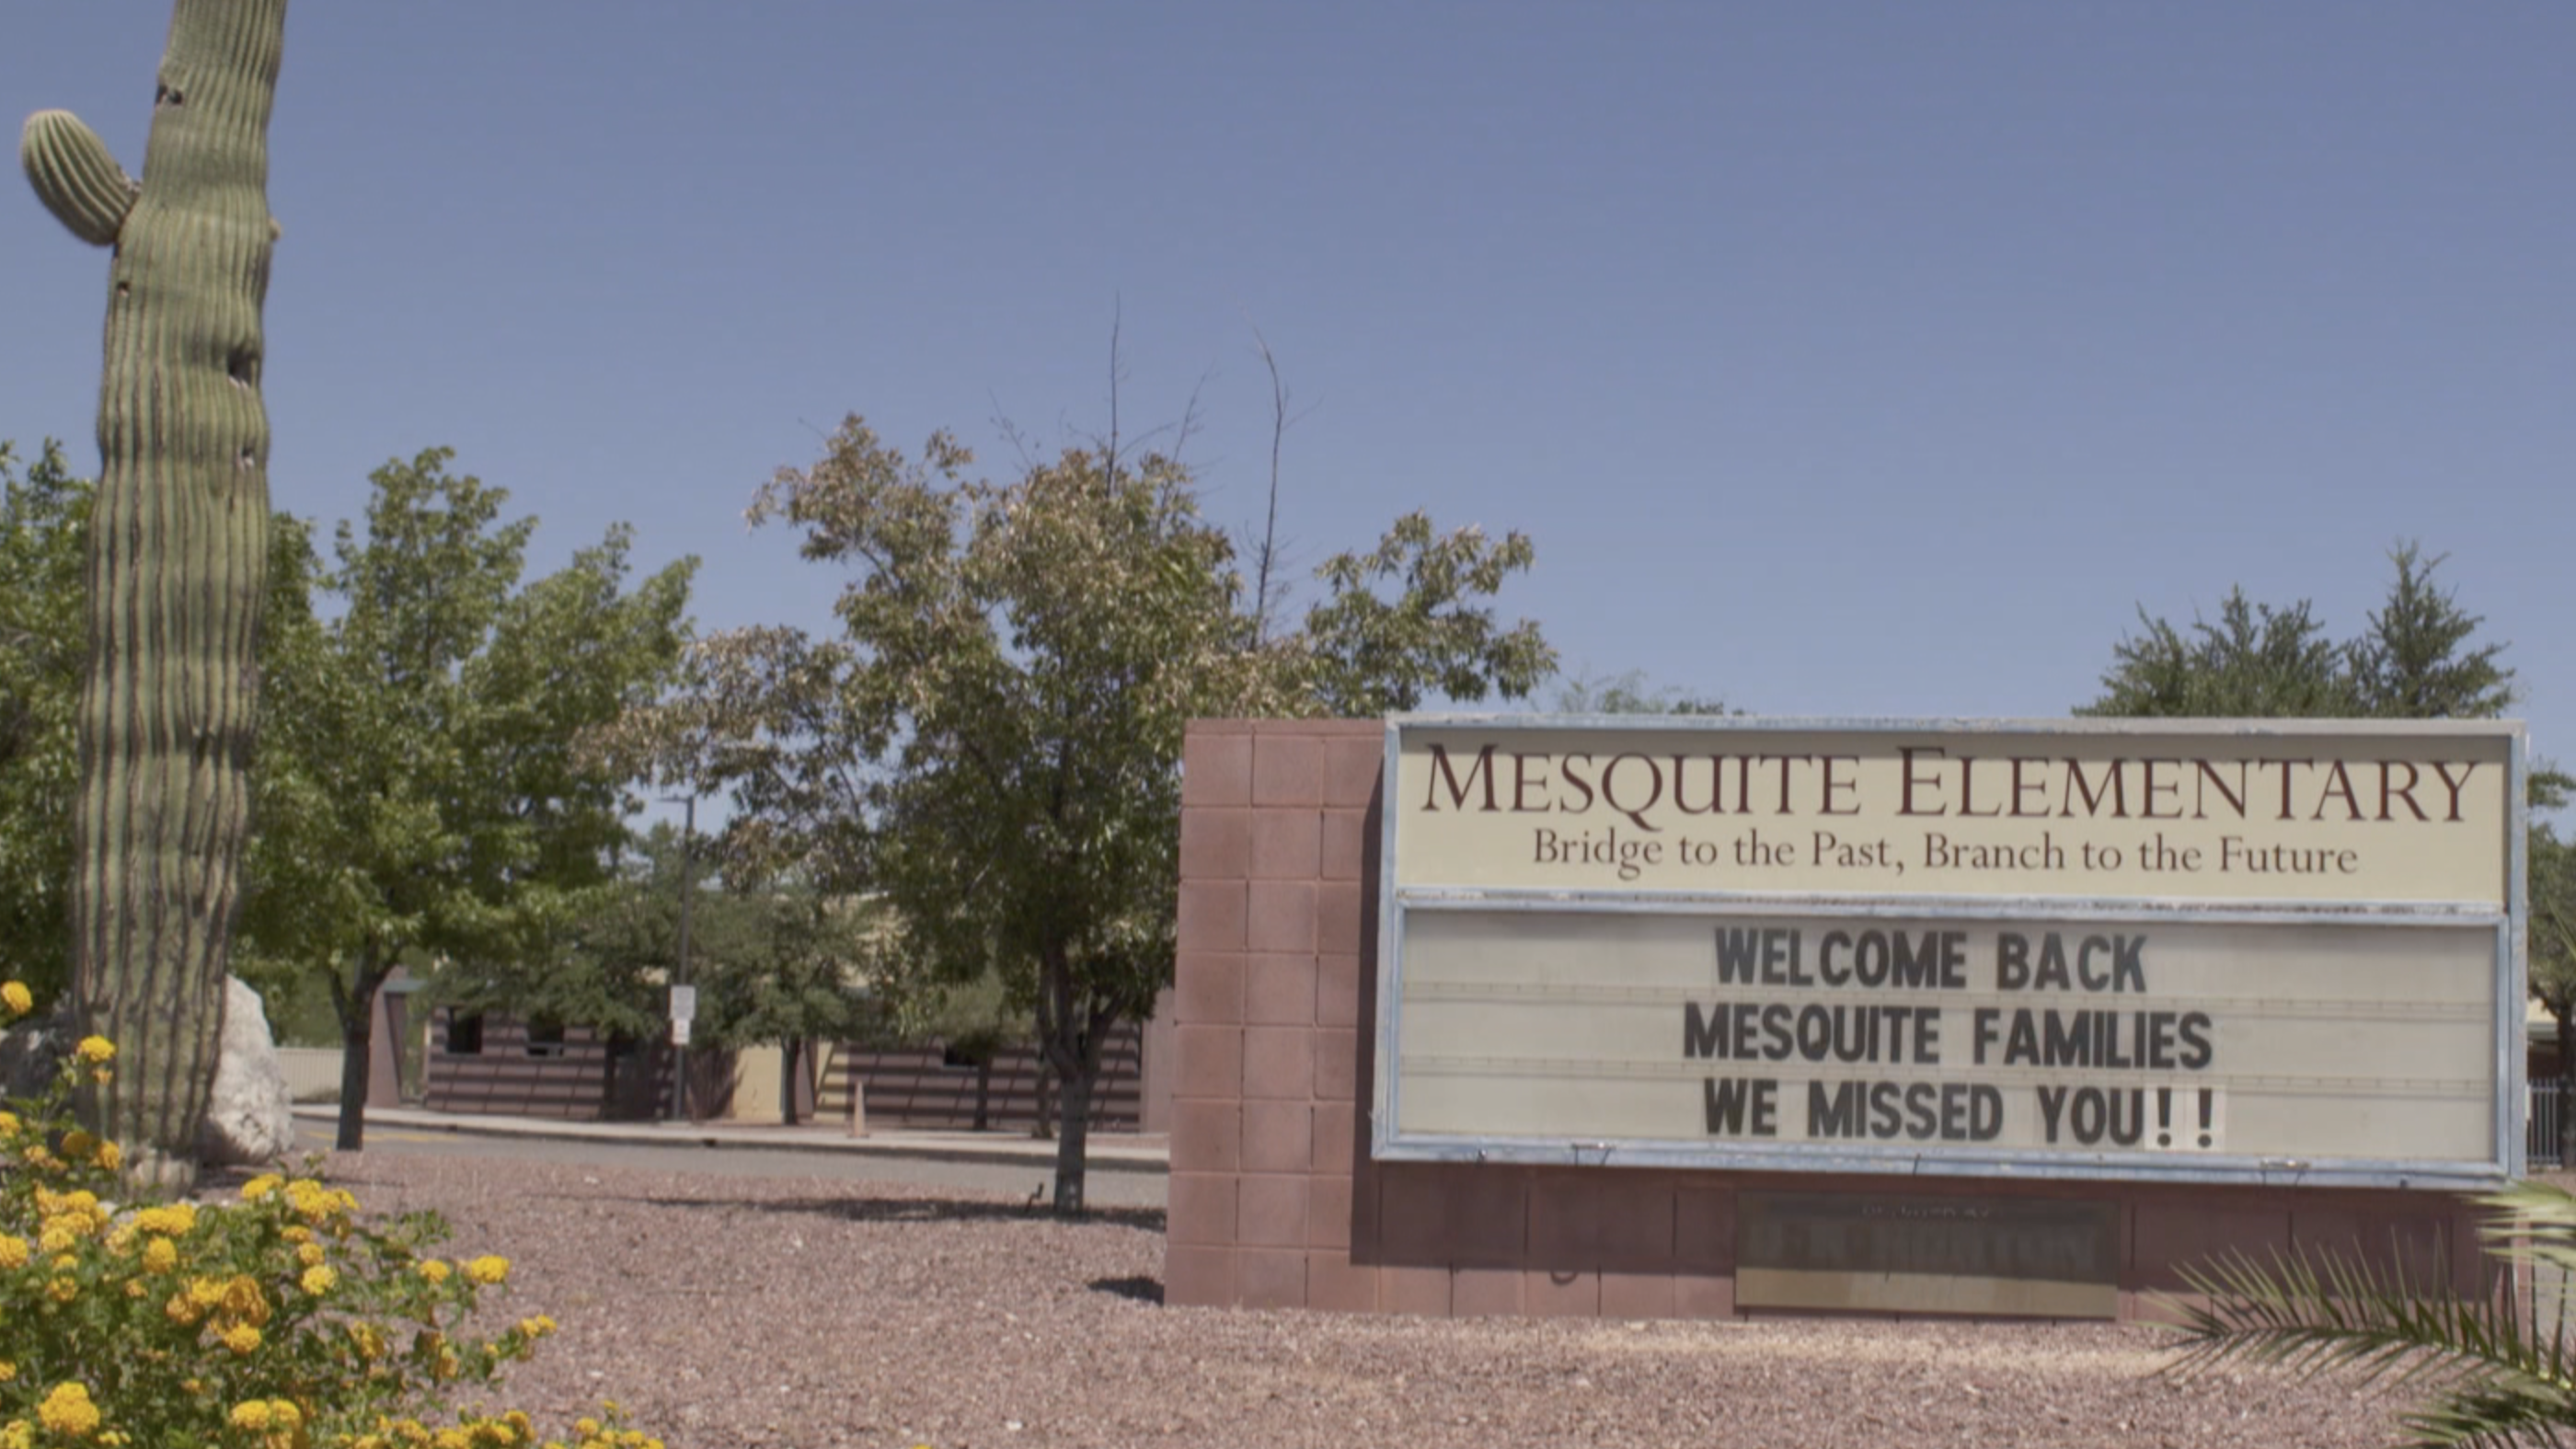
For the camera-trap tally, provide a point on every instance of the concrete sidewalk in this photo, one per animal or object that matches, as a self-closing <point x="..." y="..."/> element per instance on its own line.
<point x="1109" y="1152"/>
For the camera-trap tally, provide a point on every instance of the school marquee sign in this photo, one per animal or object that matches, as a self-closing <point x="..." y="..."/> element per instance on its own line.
<point x="2277" y="951"/>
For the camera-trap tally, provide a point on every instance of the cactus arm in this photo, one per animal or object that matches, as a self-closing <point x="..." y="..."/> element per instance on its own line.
<point x="76" y="177"/>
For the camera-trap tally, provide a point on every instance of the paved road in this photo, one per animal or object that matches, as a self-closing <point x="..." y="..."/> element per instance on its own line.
<point x="1108" y="1186"/>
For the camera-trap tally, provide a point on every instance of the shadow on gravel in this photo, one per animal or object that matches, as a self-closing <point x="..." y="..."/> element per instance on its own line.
<point x="861" y="1208"/>
<point x="1142" y="1290"/>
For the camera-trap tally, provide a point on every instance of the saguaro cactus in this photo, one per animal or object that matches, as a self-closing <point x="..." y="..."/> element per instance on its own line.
<point x="178" y="557"/>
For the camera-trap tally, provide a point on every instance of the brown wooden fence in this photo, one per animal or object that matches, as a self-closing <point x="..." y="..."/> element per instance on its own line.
<point x="493" y="1064"/>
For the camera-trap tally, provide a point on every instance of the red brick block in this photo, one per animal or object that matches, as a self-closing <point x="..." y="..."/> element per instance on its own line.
<point x="1354" y="763"/>
<point x="1337" y="1068"/>
<point x="1216" y="765"/>
<point x="1600" y="1219"/>
<point x="2171" y="1231"/>
<point x="1704" y="1295"/>
<point x="1207" y="1136"/>
<point x="1336" y="1138"/>
<point x="1335" y="1283"/>
<point x="1486" y="1292"/>
<point x="1279" y="990"/>
<point x="1216" y="843"/>
<point x="1287" y="768"/>
<point x="1207" y="988"/>
<point x="1562" y="1293"/>
<point x="1343" y="850"/>
<point x="1201" y="1208"/>
<point x="1413" y="1289"/>
<point x="1278" y="1137"/>
<point x="1279" y="916"/>
<point x="1704" y="1229"/>
<point x="1208" y="1061"/>
<point x="1328" y="1212"/>
<point x="1272" y="1212"/>
<point x="1198" y="1277"/>
<point x="1488" y="1213"/>
<point x="1270" y="1278"/>
<point x="1337" y="990"/>
<point x="1338" y="926"/>
<point x="1215" y="915"/>
<point x="1637" y="1295"/>
<point x="1286" y="844"/>
<point x="1279" y="1062"/>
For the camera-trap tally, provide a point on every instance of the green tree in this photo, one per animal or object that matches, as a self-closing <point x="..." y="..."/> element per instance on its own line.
<point x="2255" y="662"/>
<point x="773" y="960"/>
<point x="2415" y="661"/>
<point x="1630" y="693"/>
<point x="44" y="522"/>
<point x="2550" y="890"/>
<point x="994" y="743"/>
<point x="427" y="804"/>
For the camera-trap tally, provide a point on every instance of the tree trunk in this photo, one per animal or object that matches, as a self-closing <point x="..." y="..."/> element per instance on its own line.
<point x="2566" y="1023"/>
<point x="178" y="561"/>
<point x="788" y="1051"/>
<point x="356" y="1004"/>
<point x="1072" y="1140"/>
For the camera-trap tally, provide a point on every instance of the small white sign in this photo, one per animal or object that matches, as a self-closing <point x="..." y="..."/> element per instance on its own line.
<point x="679" y="1031"/>
<point x="684" y="1005"/>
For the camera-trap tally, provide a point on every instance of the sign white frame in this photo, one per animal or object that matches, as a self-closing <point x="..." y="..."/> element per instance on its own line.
<point x="1396" y="901"/>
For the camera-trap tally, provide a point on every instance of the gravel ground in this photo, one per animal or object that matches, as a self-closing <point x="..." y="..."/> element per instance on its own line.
<point x="728" y="1311"/>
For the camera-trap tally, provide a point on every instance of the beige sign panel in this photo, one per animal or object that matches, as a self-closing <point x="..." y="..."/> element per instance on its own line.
<point x="2317" y="816"/>
<point x="2185" y="949"/>
<point x="1946" y="1037"/>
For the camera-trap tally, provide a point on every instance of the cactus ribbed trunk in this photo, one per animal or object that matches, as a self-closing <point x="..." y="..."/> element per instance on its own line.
<point x="178" y="561"/>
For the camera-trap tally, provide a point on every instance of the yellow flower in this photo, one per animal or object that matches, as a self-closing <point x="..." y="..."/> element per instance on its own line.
<point x="68" y="1411"/>
<point x="241" y="1338"/>
<point x="318" y="1280"/>
<point x="8" y="1371"/>
<point x="160" y="1256"/>
<point x="101" y="1075"/>
<point x="15" y="996"/>
<point x="488" y="1269"/>
<point x="57" y="1237"/>
<point x="63" y="1290"/>
<point x="310" y="1255"/>
<point x="133" y="1287"/>
<point x="110" y="1156"/>
<point x="296" y="1233"/>
<point x="78" y="1144"/>
<point x="284" y="1414"/>
<point x="13" y="1252"/>
<point x="175" y="1220"/>
<point x="9" y="1124"/>
<point x="250" y="1414"/>
<point x="434" y="1269"/>
<point x="537" y="1327"/>
<point x="96" y="1050"/>
<point x="261" y="1186"/>
<point x="182" y="1312"/>
<point x="17" y="1434"/>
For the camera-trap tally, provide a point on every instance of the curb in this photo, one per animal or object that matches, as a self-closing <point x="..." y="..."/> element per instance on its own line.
<point x="1117" y="1153"/>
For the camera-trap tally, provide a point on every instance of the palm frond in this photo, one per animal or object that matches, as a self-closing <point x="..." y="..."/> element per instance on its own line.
<point x="2488" y="1373"/>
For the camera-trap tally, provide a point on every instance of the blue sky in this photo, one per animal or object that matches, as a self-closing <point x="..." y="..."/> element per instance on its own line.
<point x="1841" y="359"/>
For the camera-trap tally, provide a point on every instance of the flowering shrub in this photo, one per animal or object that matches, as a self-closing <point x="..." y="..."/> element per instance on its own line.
<point x="280" y="1321"/>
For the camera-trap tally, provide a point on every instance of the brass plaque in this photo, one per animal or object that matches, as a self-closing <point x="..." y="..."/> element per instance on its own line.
<point x="1920" y="1253"/>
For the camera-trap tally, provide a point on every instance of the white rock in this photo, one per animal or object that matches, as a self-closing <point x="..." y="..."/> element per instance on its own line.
<point x="250" y="1117"/>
